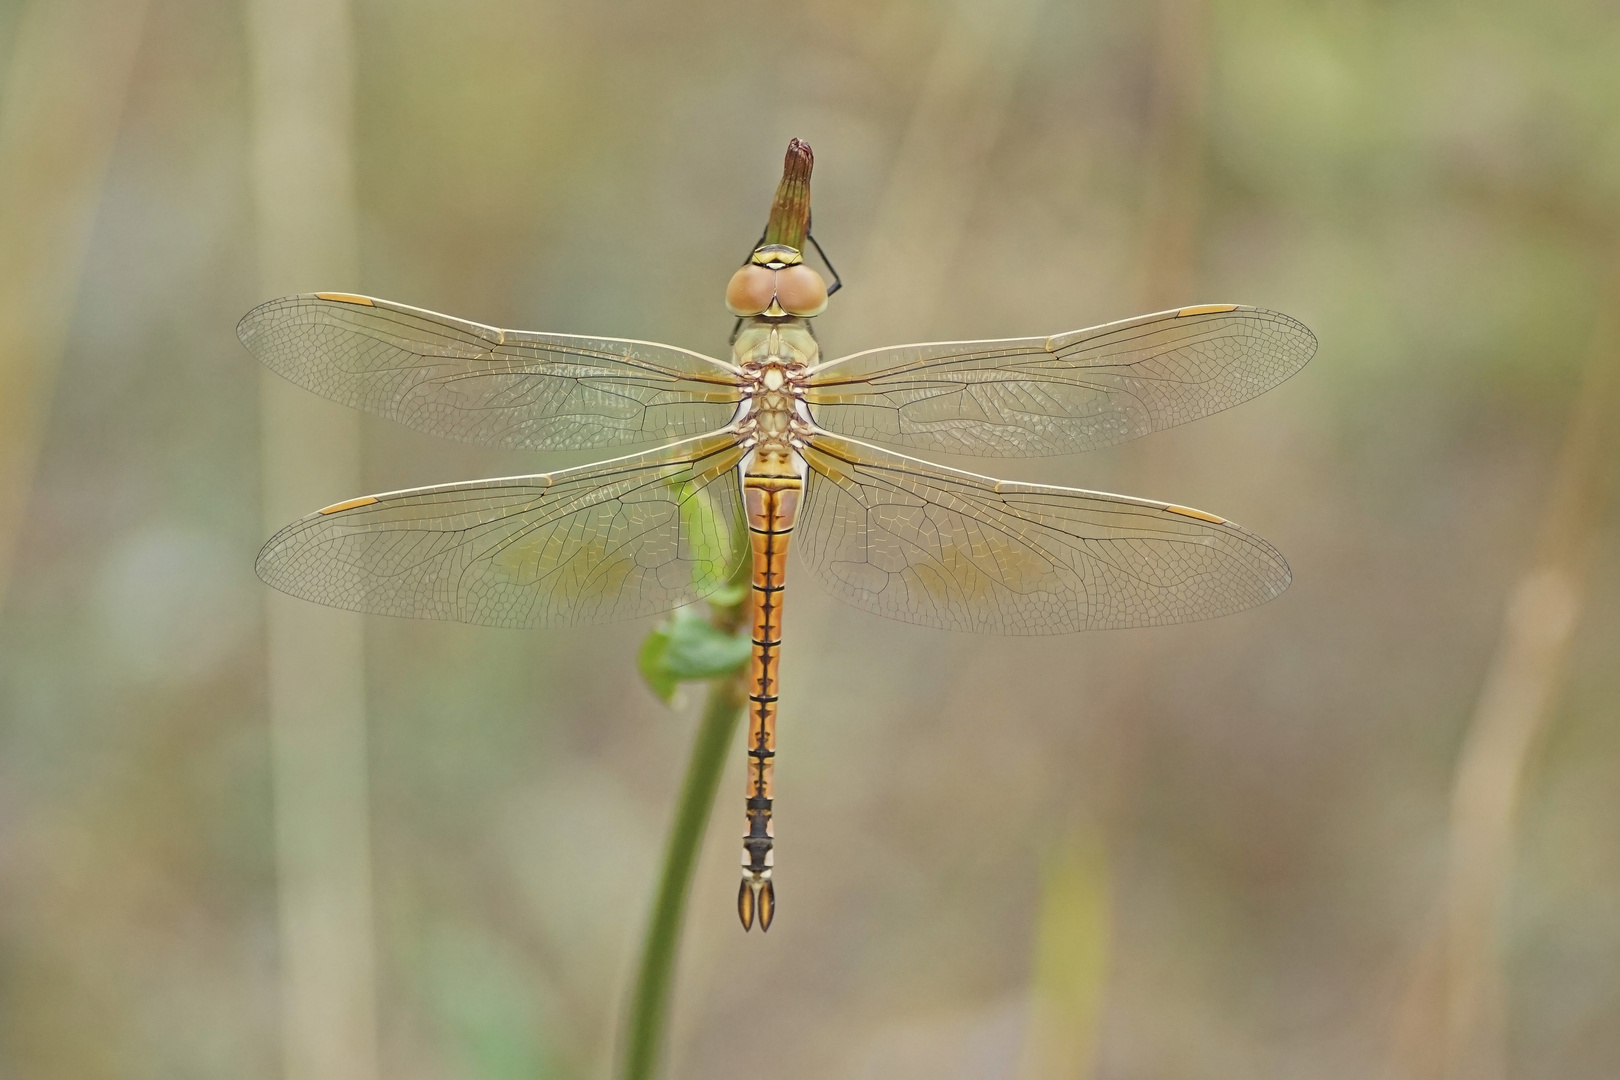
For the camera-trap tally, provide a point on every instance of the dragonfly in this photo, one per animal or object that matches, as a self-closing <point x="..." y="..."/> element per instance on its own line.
<point x="772" y="444"/>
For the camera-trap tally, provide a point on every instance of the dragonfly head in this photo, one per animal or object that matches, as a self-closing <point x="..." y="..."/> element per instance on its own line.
<point x="776" y="283"/>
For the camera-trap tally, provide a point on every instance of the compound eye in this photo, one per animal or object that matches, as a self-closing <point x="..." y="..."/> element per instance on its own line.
<point x="750" y="290"/>
<point x="801" y="291"/>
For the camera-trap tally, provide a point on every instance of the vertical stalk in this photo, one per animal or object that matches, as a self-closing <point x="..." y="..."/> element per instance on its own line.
<point x="649" y="1004"/>
<point x="303" y="185"/>
<point x="649" y="1001"/>
<point x="1453" y="1024"/>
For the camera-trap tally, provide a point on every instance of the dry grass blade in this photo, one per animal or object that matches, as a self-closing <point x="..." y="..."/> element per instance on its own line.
<point x="1452" y="1023"/>
<point x="59" y="112"/>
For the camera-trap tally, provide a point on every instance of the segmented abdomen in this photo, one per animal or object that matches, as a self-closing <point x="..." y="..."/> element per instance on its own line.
<point x="772" y="506"/>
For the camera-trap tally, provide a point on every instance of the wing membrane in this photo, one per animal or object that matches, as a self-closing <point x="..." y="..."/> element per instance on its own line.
<point x="925" y="544"/>
<point x="1032" y="397"/>
<point x="514" y="389"/>
<point x="615" y="540"/>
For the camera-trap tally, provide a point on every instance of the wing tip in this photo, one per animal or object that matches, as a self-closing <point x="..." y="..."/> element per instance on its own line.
<point x="1310" y="338"/>
<point x="1300" y="351"/>
<point x="1308" y="341"/>
<point x="1268" y="571"/>
<point x="1276" y="575"/>
<point x="267" y="563"/>
<point x="1251" y="310"/>
<point x="248" y="324"/>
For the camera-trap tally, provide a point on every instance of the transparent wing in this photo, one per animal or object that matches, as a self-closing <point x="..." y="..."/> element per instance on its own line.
<point x="1033" y="397"/>
<point x="615" y="540"/>
<point x="925" y="544"/>
<point x="514" y="389"/>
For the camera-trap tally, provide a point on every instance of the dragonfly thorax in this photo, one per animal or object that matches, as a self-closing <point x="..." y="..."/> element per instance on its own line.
<point x="774" y="356"/>
<point x="764" y="341"/>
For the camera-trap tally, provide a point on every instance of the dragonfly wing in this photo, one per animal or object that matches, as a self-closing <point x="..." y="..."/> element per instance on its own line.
<point x="610" y="541"/>
<point x="925" y="544"/>
<point x="1032" y="397"/>
<point x="514" y="389"/>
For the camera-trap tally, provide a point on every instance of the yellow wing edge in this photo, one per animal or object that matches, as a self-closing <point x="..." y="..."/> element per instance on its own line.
<point x="352" y="298"/>
<point x="349" y="504"/>
<point x="1205" y="309"/>
<point x="1184" y="511"/>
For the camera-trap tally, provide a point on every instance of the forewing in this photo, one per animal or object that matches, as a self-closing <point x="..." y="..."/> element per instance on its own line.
<point x="514" y="389"/>
<point x="1032" y="397"/>
<point x="615" y="540"/>
<point x="925" y="544"/>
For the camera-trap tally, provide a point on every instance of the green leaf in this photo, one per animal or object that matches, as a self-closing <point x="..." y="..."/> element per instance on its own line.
<point x="729" y="595"/>
<point x="650" y="662"/>
<point x="688" y="648"/>
<point x="710" y="540"/>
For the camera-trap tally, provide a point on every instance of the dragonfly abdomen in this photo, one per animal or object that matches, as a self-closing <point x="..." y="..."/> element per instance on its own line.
<point x="772" y="504"/>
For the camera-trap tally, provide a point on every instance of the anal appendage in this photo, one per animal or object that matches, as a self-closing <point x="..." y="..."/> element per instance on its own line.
<point x="756" y="895"/>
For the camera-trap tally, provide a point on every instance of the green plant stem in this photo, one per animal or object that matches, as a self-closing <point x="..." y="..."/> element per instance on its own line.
<point x="649" y="1006"/>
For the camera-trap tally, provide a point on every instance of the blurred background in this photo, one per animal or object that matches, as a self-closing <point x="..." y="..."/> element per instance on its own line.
<point x="1371" y="829"/>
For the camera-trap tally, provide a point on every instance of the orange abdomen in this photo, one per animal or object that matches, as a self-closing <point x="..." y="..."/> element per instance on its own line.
<point x="772" y="506"/>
